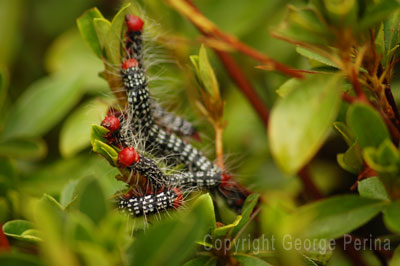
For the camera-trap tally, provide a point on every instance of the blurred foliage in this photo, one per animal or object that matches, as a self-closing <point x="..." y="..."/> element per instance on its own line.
<point x="56" y="205"/>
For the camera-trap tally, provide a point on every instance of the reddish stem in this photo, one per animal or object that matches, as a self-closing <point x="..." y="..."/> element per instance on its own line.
<point x="244" y="85"/>
<point x="4" y="245"/>
<point x="308" y="183"/>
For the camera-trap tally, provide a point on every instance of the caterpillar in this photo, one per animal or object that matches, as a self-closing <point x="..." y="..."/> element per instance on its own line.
<point x="133" y="49"/>
<point x="131" y="159"/>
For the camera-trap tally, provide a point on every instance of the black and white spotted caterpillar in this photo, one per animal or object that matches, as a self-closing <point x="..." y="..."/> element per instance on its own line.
<point x="140" y="164"/>
<point x="133" y="49"/>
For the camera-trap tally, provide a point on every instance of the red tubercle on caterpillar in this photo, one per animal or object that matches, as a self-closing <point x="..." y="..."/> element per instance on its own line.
<point x="128" y="63"/>
<point x="128" y="156"/>
<point x="134" y="23"/>
<point x="111" y="122"/>
<point x="225" y="177"/>
<point x="179" y="198"/>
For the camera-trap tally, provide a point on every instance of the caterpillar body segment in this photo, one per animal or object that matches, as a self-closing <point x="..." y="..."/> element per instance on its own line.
<point x="171" y="122"/>
<point x="151" y="203"/>
<point x="137" y="95"/>
<point x="178" y="151"/>
<point x="201" y="179"/>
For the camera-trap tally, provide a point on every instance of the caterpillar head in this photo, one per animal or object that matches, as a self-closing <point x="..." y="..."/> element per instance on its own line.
<point x="128" y="156"/>
<point x="134" y="23"/>
<point x="111" y="122"/>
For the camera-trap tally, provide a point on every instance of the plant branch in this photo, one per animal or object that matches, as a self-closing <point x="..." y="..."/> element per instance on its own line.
<point x="219" y="130"/>
<point x="308" y="183"/>
<point x="209" y="29"/>
<point x="244" y="85"/>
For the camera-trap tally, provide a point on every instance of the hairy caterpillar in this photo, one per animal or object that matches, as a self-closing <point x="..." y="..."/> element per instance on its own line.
<point x="145" y="166"/>
<point x="133" y="49"/>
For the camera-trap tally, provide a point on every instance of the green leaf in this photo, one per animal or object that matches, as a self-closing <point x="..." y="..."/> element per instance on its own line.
<point x="333" y="217"/>
<point x="373" y="188"/>
<point x="107" y="151"/>
<point x="195" y="61"/>
<point x="68" y="193"/>
<point x="304" y="25"/>
<point x="227" y="230"/>
<point x="395" y="261"/>
<point x="41" y="107"/>
<point x="300" y="122"/>
<point x="50" y="201"/>
<point x="102" y="27"/>
<point x="51" y="221"/>
<point x="75" y="133"/>
<point x="115" y="35"/>
<point x="345" y="131"/>
<point x="69" y="56"/>
<point x="28" y="149"/>
<point x="387" y="153"/>
<point x="247" y="210"/>
<point x="384" y="160"/>
<point x="91" y="199"/>
<point x="98" y="133"/>
<point x="54" y="176"/>
<point x="247" y="260"/>
<point x="309" y="262"/>
<point x="341" y="14"/>
<point x="19" y="259"/>
<point x="207" y="75"/>
<point x="391" y="31"/>
<point x="205" y="202"/>
<point x="361" y="117"/>
<point x="378" y="12"/>
<point x="21" y="230"/>
<point x="314" y="56"/>
<point x="353" y="159"/>
<point x="287" y="87"/>
<point x="170" y="242"/>
<point x="88" y="31"/>
<point x="202" y="261"/>
<point x="391" y="217"/>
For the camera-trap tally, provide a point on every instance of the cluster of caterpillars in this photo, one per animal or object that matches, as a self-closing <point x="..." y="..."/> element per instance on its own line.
<point x="161" y="132"/>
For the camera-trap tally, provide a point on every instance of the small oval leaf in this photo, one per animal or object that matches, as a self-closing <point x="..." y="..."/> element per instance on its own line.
<point x="300" y="121"/>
